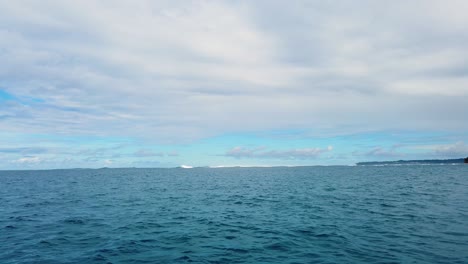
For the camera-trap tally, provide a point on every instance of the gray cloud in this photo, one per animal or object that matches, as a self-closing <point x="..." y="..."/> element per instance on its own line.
<point x="24" y="150"/>
<point x="456" y="150"/>
<point x="182" y="68"/>
<point x="382" y="152"/>
<point x="416" y="151"/>
<point x="173" y="154"/>
<point x="148" y="153"/>
<point x="99" y="152"/>
<point x="263" y="153"/>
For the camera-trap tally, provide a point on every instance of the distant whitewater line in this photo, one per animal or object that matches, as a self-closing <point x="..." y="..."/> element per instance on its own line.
<point x="232" y="166"/>
<point x="250" y="166"/>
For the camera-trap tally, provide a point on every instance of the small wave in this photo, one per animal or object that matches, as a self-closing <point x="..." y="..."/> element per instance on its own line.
<point x="183" y="258"/>
<point x="278" y="247"/>
<point x="74" y="221"/>
<point x="279" y="215"/>
<point x="99" y="257"/>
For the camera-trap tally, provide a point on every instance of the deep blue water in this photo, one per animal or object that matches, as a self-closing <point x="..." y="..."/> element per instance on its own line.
<point x="394" y="214"/>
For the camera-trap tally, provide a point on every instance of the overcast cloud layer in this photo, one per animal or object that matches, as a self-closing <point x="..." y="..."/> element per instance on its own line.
<point x="176" y="72"/>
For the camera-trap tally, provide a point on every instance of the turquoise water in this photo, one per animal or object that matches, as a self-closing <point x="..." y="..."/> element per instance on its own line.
<point x="394" y="214"/>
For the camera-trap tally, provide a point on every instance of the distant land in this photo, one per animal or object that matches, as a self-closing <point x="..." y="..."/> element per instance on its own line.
<point x="413" y="162"/>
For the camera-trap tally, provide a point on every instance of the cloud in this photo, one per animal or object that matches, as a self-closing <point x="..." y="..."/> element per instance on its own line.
<point x="141" y="153"/>
<point x="381" y="152"/>
<point x="28" y="160"/>
<point x="263" y="153"/>
<point x="24" y="150"/>
<point x="458" y="149"/>
<point x="96" y="153"/>
<point x="173" y="154"/>
<point x="417" y="151"/>
<point x="163" y="71"/>
<point x="148" y="153"/>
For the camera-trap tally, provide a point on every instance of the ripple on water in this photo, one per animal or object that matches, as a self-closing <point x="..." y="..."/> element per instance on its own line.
<point x="407" y="214"/>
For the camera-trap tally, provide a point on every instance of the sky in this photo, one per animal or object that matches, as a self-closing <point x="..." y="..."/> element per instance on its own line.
<point x="93" y="84"/>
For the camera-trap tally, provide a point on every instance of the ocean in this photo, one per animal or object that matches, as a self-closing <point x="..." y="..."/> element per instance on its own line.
<point x="320" y="214"/>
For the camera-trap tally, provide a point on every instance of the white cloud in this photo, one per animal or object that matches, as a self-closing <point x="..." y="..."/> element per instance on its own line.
<point x="24" y="150"/>
<point x="264" y="153"/>
<point x="382" y="152"/>
<point x="458" y="149"/>
<point x="423" y="87"/>
<point x="147" y="153"/>
<point x="28" y="160"/>
<point x="169" y="71"/>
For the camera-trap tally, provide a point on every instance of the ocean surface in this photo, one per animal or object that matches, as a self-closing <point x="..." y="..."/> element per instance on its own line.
<point x="387" y="214"/>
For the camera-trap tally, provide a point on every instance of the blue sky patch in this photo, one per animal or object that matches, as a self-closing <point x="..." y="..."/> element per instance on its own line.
<point x="5" y="96"/>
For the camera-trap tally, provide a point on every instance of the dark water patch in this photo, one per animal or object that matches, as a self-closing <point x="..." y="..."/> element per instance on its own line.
<point x="148" y="240"/>
<point x="100" y="258"/>
<point x="130" y="247"/>
<point x="183" y="259"/>
<point x="22" y="219"/>
<point x="46" y="243"/>
<point x="387" y="205"/>
<point x="75" y="221"/>
<point x="457" y="234"/>
<point x="279" y="246"/>
<point x="238" y="250"/>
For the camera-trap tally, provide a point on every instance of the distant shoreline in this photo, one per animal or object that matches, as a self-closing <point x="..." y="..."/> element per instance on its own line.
<point x="412" y="162"/>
